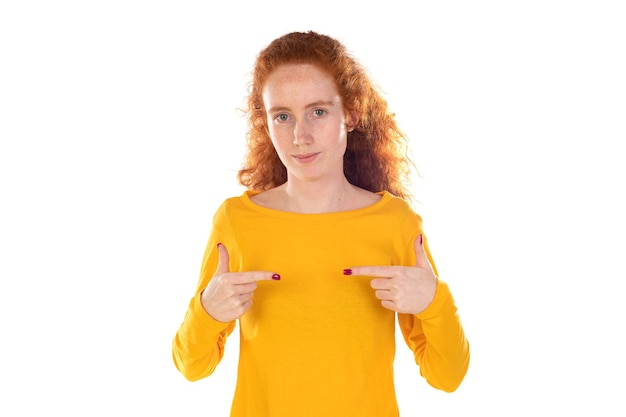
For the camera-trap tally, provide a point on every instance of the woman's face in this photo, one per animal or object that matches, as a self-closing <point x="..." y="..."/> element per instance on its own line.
<point x="307" y="122"/>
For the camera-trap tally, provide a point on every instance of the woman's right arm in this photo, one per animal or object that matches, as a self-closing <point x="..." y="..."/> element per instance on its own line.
<point x="221" y="298"/>
<point x="198" y="346"/>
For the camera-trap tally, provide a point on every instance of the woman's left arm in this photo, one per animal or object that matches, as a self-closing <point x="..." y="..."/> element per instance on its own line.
<point x="427" y="316"/>
<point x="438" y="341"/>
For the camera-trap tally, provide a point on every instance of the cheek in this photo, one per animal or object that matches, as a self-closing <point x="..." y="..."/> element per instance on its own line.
<point x="341" y="132"/>
<point x="280" y="136"/>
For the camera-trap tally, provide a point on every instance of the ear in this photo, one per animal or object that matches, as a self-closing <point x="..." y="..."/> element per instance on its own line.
<point x="352" y="119"/>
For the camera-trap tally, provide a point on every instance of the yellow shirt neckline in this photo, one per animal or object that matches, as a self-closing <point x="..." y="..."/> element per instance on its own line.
<point x="247" y="201"/>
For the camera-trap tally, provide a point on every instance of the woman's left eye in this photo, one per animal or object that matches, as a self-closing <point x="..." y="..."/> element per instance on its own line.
<point x="319" y="112"/>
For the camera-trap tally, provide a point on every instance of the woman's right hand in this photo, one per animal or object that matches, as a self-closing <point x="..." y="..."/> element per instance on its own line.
<point x="229" y="294"/>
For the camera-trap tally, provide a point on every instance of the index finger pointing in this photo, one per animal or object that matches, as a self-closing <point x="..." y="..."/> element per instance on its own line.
<point x="372" y="271"/>
<point x="254" y="276"/>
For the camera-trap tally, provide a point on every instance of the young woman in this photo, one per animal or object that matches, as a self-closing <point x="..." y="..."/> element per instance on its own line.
<point x="322" y="253"/>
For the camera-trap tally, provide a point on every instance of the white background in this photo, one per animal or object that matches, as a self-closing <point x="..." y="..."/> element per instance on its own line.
<point x="120" y="136"/>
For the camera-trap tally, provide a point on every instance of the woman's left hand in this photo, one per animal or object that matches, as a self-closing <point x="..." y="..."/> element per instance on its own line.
<point x="403" y="289"/>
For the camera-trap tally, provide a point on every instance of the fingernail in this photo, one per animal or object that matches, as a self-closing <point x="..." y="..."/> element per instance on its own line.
<point x="219" y="244"/>
<point x="421" y="240"/>
<point x="347" y="271"/>
<point x="276" y="277"/>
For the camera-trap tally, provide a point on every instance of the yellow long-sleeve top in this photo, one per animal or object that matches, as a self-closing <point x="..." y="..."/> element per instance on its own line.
<point x="318" y="343"/>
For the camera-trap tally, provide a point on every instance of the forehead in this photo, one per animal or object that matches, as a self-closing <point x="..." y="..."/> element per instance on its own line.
<point x="294" y="81"/>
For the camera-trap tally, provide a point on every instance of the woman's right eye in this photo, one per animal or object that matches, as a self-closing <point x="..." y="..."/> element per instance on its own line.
<point x="282" y="117"/>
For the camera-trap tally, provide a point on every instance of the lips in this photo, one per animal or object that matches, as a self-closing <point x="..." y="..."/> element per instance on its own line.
<point x="306" y="157"/>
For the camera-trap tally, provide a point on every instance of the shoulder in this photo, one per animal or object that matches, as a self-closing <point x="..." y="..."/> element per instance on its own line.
<point x="401" y="212"/>
<point x="230" y="205"/>
<point x="399" y="203"/>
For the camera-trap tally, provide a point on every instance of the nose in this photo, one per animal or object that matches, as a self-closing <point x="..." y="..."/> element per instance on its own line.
<point x="301" y="135"/>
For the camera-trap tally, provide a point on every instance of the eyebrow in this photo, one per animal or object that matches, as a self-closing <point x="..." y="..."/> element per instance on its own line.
<point x="308" y="106"/>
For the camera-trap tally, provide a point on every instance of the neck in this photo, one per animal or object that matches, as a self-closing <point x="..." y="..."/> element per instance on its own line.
<point x="318" y="196"/>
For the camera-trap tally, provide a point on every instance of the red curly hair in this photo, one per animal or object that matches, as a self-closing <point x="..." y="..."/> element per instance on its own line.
<point x="376" y="157"/>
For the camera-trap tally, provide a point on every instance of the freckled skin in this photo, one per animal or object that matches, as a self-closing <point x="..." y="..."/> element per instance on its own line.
<point x="306" y="118"/>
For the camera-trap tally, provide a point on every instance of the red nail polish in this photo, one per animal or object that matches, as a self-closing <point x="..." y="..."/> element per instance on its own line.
<point x="421" y="240"/>
<point x="276" y="277"/>
<point x="347" y="271"/>
<point x="219" y="244"/>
